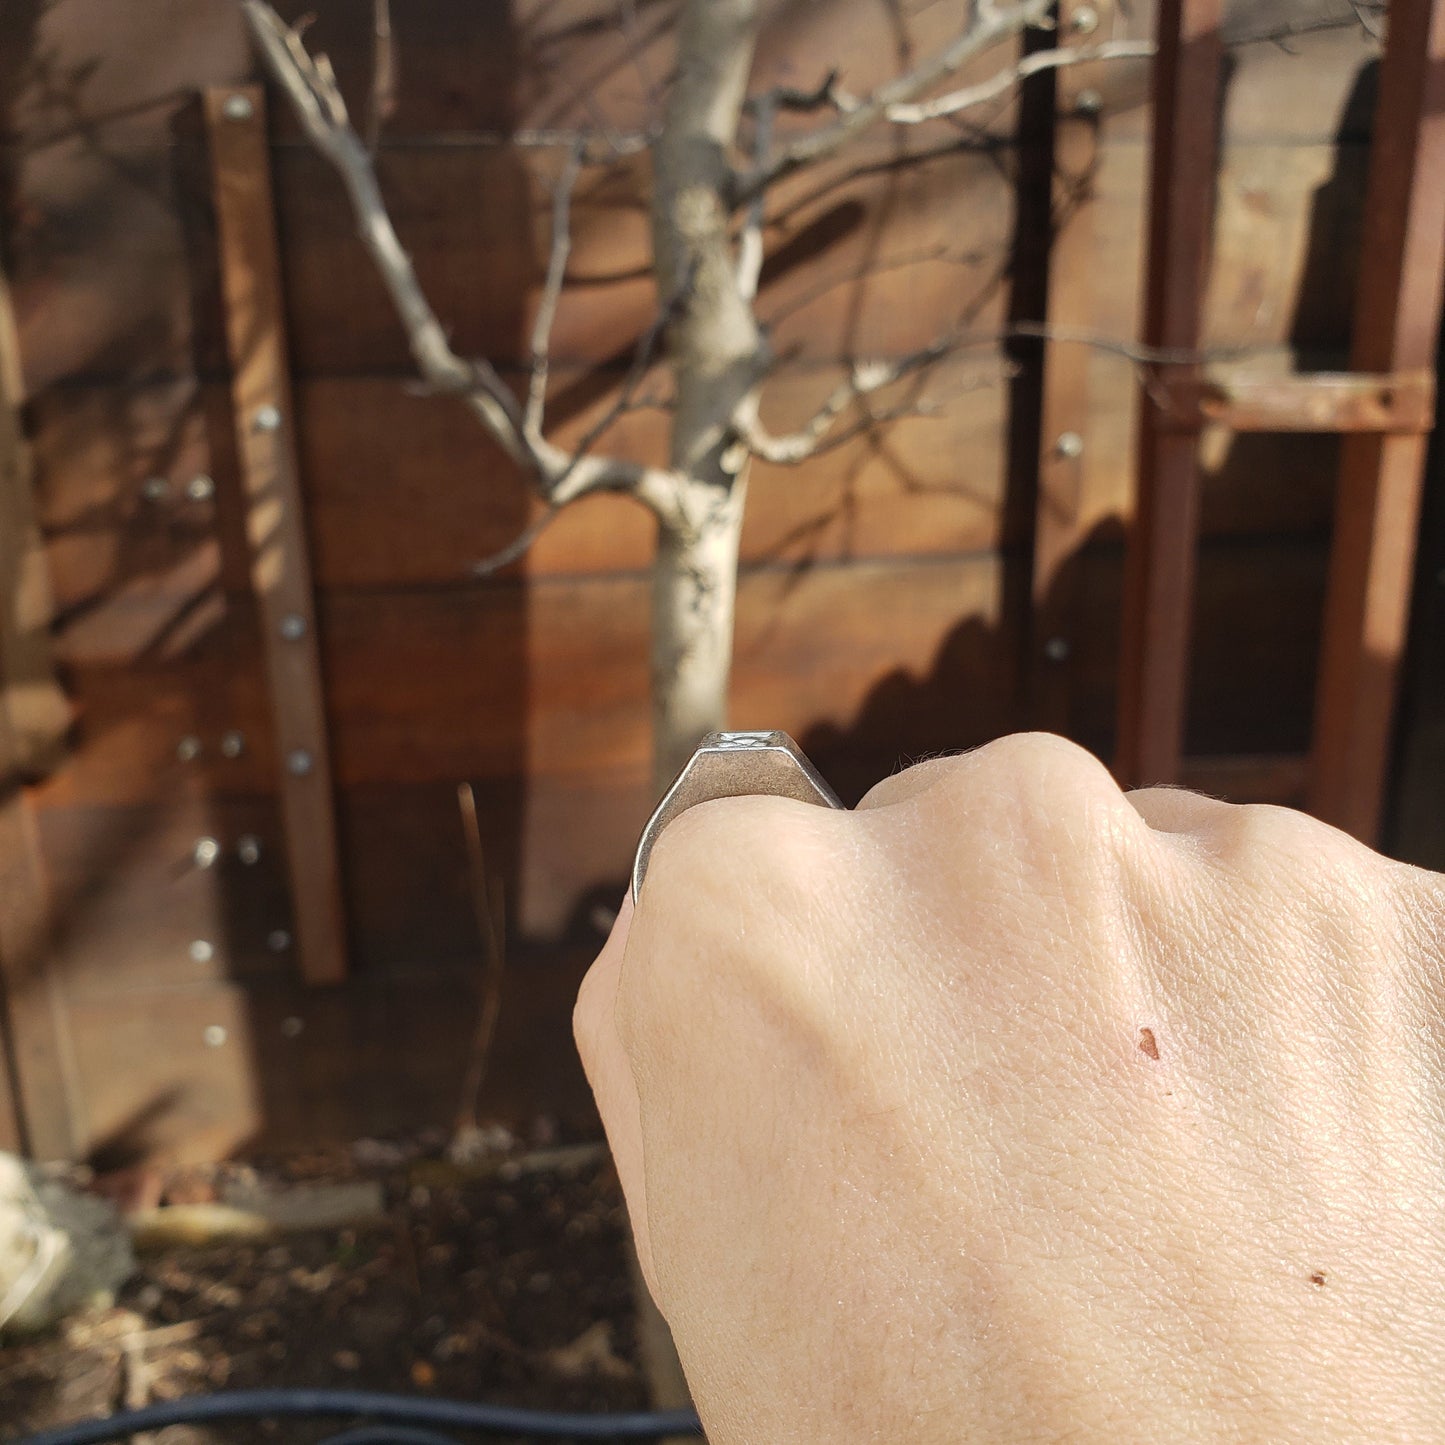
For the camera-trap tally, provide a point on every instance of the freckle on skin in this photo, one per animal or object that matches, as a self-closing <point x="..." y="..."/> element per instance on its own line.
<point x="1147" y="1044"/>
<point x="1317" y="1279"/>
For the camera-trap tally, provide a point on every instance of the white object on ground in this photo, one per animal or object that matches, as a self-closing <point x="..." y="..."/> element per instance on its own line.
<point x="59" y="1250"/>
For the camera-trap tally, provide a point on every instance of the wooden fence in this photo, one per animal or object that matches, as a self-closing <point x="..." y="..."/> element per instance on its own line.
<point x="925" y="587"/>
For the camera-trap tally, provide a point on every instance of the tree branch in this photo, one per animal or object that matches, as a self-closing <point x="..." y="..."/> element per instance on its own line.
<point x="864" y="379"/>
<point x="551" y="293"/>
<point x="558" y="476"/>
<point x="311" y="85"/>
<point x="1004" y="81"/>
<point x="991" y="26"/>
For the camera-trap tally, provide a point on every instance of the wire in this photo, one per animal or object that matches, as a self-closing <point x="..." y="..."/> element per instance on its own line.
<point x="400" y="1410"/>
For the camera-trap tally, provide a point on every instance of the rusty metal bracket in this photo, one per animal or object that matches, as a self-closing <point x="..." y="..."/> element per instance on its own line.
<point x="1397" y="403"/>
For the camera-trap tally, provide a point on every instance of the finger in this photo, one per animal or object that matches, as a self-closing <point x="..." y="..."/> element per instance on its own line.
<point x="609" y="1071"/>
<point x="1176" y="810"/>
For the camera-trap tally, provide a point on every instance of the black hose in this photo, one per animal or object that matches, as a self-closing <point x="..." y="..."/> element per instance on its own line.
<point x="385" y="1409"/>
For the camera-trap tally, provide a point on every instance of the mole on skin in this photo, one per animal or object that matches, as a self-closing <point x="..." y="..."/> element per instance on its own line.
<point x="1147" y="1044"/>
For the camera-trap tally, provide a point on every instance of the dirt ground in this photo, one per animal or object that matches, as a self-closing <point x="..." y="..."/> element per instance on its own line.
<point x="502" y="1279"/>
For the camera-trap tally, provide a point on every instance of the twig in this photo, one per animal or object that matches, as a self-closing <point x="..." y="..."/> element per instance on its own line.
<point x="486" y="902"/>
<point x="515" y="548"/>
<point x="864" y="379"/>
<point x="1135" y="351"/>
<point x="636" y="45"/>
<point x="383" y="74"/>
<point x="990" y="27"/>
<point x="311" y="85"/>
<point x="641" y="360"/>
<point x="551" y="293"/>
<point x="1005" y="80"/>
<point x="559" y="477"/>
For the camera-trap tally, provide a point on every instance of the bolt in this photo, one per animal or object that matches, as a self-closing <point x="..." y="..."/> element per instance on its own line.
<point x="1057" y="649"/>
<point x="1088" y="102"/>
<point x="248" y="849"/>
<point x="293" y="627"/>
<point x="1070" y="444"/>
<point x="238" y="107"/>
<point x="291" y="1026"/>
<point x="155" y="489"/>
<point x="267" y="418"/>
<point x="299" y="762"/>
<point x="200" y="488"/>
<point x="206" y="851"/>
<point x="214" y="1036"/>
<point x="189" y="748"/>
<point x="233" y="744"/>
<point x="202" y="951"/>
<point x="1085" y="20"/>
<point x="278" y="940"/>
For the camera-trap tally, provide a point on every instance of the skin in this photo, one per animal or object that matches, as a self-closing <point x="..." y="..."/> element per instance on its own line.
<point x="1012" y="1107"/>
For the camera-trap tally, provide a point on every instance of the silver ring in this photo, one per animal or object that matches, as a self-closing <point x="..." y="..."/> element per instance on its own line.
<point x="734" y="765"/>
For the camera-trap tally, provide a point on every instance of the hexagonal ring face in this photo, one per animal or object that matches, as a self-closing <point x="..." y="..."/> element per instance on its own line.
<point x="734" y="765"/>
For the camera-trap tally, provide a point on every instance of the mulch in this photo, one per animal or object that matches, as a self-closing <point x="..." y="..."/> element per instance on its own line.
<point x="502" y="1279"/>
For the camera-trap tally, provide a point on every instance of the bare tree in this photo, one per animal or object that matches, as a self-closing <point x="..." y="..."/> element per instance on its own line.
<point x="714" y="163"/>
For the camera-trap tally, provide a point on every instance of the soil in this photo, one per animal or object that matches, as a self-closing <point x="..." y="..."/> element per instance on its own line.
<point x="503" y="1280"/>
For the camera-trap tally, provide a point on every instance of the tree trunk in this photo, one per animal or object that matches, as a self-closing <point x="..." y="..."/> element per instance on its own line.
<point x="693" y="590"/>
<point x="718" y="357"/>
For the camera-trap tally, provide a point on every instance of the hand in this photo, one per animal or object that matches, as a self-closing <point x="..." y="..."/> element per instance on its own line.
<point x="1013" y="1107"/>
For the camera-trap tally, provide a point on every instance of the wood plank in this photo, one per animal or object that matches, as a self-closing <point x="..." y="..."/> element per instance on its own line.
<point x="1253" y="666"/>
<point x="1279" y="780"/>
<point x="37" y="1102"/>
<point x="1246" y="401"/>
<point x="490" y="681"/>
<point x="36" y="1032"/>
<point x="1066" y="433"/>
<point x="29" y="692"/>
<point x="106" y="268"/>
<point x="279" y="1066"/>
<point x="1397" y="328"/>
<point x="280" y="572"/>
<point x="1164" y="530"/>
<point x="420" y="512"/>
<point x="467" y="68"/>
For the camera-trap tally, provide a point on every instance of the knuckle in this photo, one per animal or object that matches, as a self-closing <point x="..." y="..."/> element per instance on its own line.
<point x="589" y="1015"/>
<point x="1255" y="832"/>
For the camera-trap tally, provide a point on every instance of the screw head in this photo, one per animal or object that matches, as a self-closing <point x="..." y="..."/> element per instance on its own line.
<point x="155" y="489"/>
<point x="1085" y="20"/>
<point x="293" y="627"/>
<point x="1057" y="649"/>
<point x="299" y="762"/>
<point x="267" y="418"/>
<point x="189" y="748"/>
<point x="214" y="1036"/>
<point x="206" y="851"/>
<point x="233" y="744"/>
<point x="238" y="107"/>
<point x="1070" y="444"/>
<point x="291" y="1027"/>
<point x="202" y="951"/>
<point x="278" y="940"/>
<point x="248" y="849"/>
<point x="200" y="488"/>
